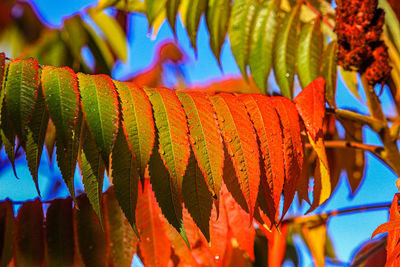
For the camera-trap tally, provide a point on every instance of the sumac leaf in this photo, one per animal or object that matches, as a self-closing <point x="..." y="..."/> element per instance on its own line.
<point x="267" y="125"/>
<point x="217" y="19"/>
<point x="137" y="121"/>
<point x="285" y="51"/>
<point x="197" y="198"/>
<point x="125" y="178"/>
<point x="292" y="147"/>
<point x="7" y="225"/>
<point x="21" y="93"/>
<point x="154" y="245"/>
<point x="92" y="169"/>
<point x="120" y="236"/>
<point x="205" y="138"/>
<point x="60" y="233"/>
<point x="36" y="132"/>
<point x="262" y="42"/>
<point x="309" y="52"/>
<point x="329" y="71"/>
<point x="100" y="109"/>
<point x="171" y="124"/>
<point x="193" y="15"/>
<point x="241" y="142"/>
<point x="92" y="240"/>
<point x="29" y="234"/>
<point x="240" y="26"/>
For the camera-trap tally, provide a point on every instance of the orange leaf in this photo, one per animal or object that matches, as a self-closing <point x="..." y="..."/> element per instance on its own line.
<point x="268" y="129"/>
<point x="292" y="147"/>
<point x="311" y="106"/>
<point x="277" y="246"/>
<point x="393" y="229"/>
<point x="241" y="142"/>
<point x="154" y="245"/>
<point x="218" y="233"/>
<point x="241" y="230"/>
<point x="315" y="237"/>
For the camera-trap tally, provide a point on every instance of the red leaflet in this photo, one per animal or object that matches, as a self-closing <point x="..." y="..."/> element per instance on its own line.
<point x="311" y="106"/>
<point x="154" y="245"/>
<point x="393" y="229"/>
<point x="218" y="233"/>
<point x="269" y="132"/>
<point x="241" y="142"/>
<point x="239" y="226"/>
<point x="292" y="146"/>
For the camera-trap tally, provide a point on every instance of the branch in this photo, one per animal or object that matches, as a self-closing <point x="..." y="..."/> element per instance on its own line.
<point x="326" y="215"/>
<point x="375" y="124"/>
<point x="391" y="152"/>
<point x="349" y="144"/>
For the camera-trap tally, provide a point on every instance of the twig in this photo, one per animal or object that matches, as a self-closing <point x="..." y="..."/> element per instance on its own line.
<point x="319" y="14"/>
<point x="350" y="144"/>
<point x="375" y="124"/>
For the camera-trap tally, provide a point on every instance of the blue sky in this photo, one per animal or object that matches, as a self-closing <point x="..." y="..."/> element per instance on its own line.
<point x="347" y="231"/>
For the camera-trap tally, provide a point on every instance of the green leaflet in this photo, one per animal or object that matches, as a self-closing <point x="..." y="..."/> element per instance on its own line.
<point x="329" y="72"/>
<point x="113" y="33"/>
<point x="350" y="79"/>
<point x="166" y="192"/>
<point x="75" y="38"/>
<point x="170" y="120"/>
<point x="205" y="138"/>
<point x="217" y="18"/>
<point x="120" y="235"/>
<point x="100" y="50"/>
<point x="153" y="9"/>
<point x="137" y="121"/>
<point x="36" y="132"/>
<point x="125" y="178"/>
<point x="262" y="42"/>
<point x="92" y="168"/>
<point x="100" y="108"/>
<point x="29" y="235"/>
<point x="309" y="52"/>
<point x="196" y="197"/>
<point x="60" y="233"/>
<point x="7" y="225"/>
<point x="172" y="7"/>
<point x="7" y="135"/>
<point x="60" y="90"/>
<point x="90" y="235"/>
<point x="21" y="92"/>
<point x="285" y="52"/>
<point x="67" y="155"/>
<point x="193" y="15"/>
<point x="240" y="25"/>
<point x="391" y="22"/>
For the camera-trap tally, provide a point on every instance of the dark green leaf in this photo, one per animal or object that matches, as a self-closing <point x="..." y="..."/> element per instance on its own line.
<point x="125" y="178"/>
<point x="92" y="168"/>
